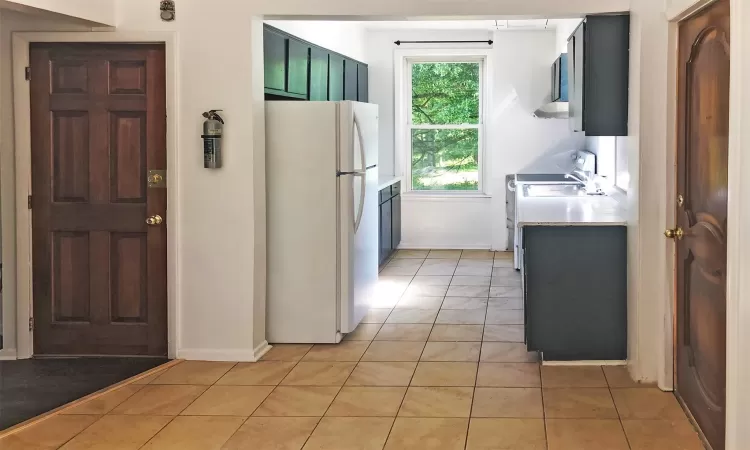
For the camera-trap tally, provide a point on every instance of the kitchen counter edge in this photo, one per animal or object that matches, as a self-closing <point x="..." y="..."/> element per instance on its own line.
<point x="388" y="180"/>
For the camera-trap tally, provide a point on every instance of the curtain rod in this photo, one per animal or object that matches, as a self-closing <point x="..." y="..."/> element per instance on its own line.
<point x="489" y="42"/>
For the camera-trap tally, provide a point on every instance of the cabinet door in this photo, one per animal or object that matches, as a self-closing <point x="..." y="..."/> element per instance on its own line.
<point x="577" y="95"/>
<point x="396" y="221"/>
<point x="274" y="60"/>
<point x="363" y="85"/>
<point x="299" y="57"/>
<point x="318" y="75"/>
<point x="556" y="80"/>
<point x="335" y="78"/>
<point x="606" y="69"/>
<point x="563" y="71"/>
<point x="350" y="80"/>
<point x="386" y="224"/>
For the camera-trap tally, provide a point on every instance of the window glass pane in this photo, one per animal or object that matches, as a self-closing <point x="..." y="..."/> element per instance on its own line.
<point x="445" y="159"/>
<point x="445" y="93"/>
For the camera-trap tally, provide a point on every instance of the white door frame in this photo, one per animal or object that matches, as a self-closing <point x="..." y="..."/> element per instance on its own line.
<point x="20" y="289"/>
<point x="738" y="249"/>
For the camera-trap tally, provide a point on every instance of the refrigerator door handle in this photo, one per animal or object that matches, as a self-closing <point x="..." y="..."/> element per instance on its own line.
<point x="362" y="194"/>
<point x="361" y="174"/>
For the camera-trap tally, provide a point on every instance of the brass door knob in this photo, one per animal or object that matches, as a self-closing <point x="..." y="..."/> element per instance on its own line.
<point x="155" y="178"/>
<point x="154" y="220"/>
<point x="676" y="233"/>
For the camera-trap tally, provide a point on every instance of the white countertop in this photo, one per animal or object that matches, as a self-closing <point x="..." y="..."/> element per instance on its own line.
<point x="570" y="211"/>
<point x="386" y="180"/>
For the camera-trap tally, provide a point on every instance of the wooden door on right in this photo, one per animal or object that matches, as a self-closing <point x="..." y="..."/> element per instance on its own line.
<point x="702" y="173"/>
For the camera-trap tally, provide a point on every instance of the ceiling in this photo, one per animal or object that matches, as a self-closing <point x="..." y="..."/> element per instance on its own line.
<point x="500" y="24"/>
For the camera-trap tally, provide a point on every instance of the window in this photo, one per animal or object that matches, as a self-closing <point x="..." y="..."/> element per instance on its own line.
<point x="443" y="110"/>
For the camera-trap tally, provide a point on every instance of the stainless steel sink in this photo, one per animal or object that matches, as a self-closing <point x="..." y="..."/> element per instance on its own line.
<point x="553" y="190"/>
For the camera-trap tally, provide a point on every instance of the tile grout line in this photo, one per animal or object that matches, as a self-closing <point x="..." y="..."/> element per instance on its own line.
<point x="476" y="380"/>
<point x="183" y="409"/>
<point x="411" y="378"/>
<point x="296" y="363"/>
<point x="619" y="416"/>
<point x="341" y="388"/>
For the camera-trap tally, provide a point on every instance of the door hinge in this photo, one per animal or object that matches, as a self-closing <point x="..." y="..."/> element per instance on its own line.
<point x="29" y="200"/>
<point x="31" y="324"/>
<point x="28" y="73"/>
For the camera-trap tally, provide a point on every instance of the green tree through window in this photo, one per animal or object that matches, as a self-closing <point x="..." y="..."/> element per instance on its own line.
<point x="445" y="119"/>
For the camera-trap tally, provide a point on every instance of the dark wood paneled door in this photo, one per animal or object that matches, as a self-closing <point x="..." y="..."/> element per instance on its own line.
<point x="98" y="123"/>
<point x="702" y="172"/>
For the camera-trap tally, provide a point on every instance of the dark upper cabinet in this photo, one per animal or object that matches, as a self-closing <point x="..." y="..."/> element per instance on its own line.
<point x="576" y="44"/>
<point x="335" y="77"/>
<point x="318" y="74"/>
<point x="556" y="80"/>
<point x="560" y="79"/>
<point x="297" y="69"/>
<point x="600" y="60"/>
<point x="350" y="80"/>
<point x="363" y="86"/>
<point x="274" y="60"/>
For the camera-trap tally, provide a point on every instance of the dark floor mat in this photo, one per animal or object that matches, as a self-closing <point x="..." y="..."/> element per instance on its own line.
<point x="33" y="386"/>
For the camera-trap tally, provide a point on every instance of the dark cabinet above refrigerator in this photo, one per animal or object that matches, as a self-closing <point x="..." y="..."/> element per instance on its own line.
<point x="295" y="69"/>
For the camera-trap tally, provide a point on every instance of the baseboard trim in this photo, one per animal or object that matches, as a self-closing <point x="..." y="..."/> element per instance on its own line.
<point x="213" y="354"/>
<point x="261" y="350"/>
<point x="608" y="362"/>
<point x="8" y="354"/>
<point x="415" y="246"/>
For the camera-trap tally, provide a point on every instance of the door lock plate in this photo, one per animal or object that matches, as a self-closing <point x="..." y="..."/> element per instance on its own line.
<point x="157" y="178"/>
<point x="680" y="200"/>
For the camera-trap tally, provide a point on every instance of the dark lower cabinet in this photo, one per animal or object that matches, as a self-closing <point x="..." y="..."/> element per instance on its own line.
<point x="575" y="292"/>
<point x="386" y="230"/>
<point x="396" y="221"/>
<point x="390" y="221"/>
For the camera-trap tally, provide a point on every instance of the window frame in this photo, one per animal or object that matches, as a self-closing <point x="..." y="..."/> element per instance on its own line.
<point x="404" y="59"/>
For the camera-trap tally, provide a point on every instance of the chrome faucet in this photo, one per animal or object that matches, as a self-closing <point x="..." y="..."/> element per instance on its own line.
<point x="591" y="186"/>
<point x="574" y="177"/>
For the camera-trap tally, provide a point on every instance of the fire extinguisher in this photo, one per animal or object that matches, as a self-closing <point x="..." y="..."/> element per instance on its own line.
<point x="213" y="128"/>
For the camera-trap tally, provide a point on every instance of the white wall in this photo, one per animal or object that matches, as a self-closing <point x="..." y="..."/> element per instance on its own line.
<point x="220" y="213"/>
<point x="565" y="27"/>
<point x="520" y="83"/>
<point x="647" y="194"/>
<point x="99" y="12"/>
<point x="11" y="21"/>
<point x="433" y="9"/>
<point x="347" y="38"/>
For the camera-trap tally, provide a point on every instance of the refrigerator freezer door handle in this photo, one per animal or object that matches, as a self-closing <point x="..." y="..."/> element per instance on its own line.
<point x="361" y="142"/>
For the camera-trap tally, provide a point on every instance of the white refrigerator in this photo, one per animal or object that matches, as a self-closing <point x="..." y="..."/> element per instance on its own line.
<point x="322" y="209"/>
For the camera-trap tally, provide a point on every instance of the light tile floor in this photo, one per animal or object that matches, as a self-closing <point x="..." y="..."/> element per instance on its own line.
<point x="438" y="365"/>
